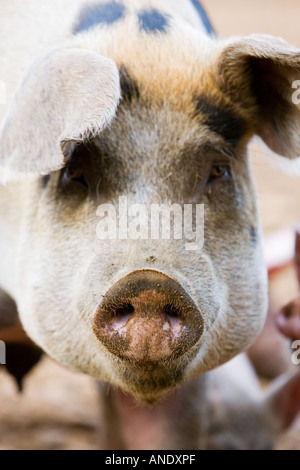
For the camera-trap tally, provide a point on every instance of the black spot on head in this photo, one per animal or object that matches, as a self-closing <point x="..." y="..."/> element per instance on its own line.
<point x="153" y="21"/>
<point x="253" y="235"/>
<point x="204" y="18"/>
<point x="129" y="86"/>
<point x="45" y="180"/>
<point x="222" y="120"/>
<point x="92" y="15"/>
<point x="20" y="359"/>
<point x="151" y="259"/>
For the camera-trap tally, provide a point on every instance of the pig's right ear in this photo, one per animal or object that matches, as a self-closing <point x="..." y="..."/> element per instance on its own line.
<point x="260" y="76"/>
<point x="68" y="95"/>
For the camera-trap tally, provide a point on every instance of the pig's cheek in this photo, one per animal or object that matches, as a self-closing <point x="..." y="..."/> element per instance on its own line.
<point x="66" y="338"/>
<point x="236" y="325"/>
<point x="47" y="298"/>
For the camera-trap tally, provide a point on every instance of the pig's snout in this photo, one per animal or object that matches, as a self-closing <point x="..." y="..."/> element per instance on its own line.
<point x="147" y="317"/>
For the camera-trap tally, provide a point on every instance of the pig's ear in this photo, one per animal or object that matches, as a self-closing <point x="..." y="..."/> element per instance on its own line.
<point x="68" y="95"/>
<point x="283" y="400"/>
<point x="259" y="74"/>
<point x="17" y="352"/>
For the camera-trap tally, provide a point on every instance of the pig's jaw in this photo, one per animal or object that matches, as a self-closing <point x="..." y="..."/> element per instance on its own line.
<point x="150" y="382"/>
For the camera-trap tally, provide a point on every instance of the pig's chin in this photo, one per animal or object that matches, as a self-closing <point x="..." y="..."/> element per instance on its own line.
<point x="148" y="382"/>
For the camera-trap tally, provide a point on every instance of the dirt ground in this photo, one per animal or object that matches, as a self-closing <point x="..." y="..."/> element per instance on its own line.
<point x="58" y="408"/>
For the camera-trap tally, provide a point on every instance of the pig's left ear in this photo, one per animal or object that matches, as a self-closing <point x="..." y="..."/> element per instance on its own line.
<point x="21" y="354"/>
<point x="283" y="401"/>
<point x="67" y="95"/>
<point x="259" y="74"/>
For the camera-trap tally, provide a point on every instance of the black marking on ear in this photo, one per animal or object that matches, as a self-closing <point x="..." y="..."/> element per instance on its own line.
<point x="92" y="15"/>
<point x="153" y="21"/>
<point x="20" y="359"/>
<point x="222" y="120"/>
<point x="129" y="86"/>
<point x="204" y="18"/>
<point x="253" y="234"/>
<point x="45" y="180"/>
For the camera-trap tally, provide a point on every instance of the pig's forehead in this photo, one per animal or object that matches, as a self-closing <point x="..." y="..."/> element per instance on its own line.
<point x="168" y="64"/>
<point x="157" y="130"/>
<point x="172" y="64"/>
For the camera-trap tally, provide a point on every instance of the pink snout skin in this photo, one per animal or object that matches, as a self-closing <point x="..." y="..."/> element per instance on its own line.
<point x="148" y="317"/>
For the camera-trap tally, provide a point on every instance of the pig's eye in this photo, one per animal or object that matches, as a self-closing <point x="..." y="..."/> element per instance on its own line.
<point x="73" y="175"/>
<point x="219" y="172"/>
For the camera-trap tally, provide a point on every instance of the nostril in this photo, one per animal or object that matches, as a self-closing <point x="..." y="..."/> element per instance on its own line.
<point x="125" y="310"/>
<point x="171" y="310"/>
<point x="147" y="317"/>
<point x="121" y="315"/>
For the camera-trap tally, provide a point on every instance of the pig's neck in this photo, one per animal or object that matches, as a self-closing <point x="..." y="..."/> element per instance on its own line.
<point x="179" y="421"/>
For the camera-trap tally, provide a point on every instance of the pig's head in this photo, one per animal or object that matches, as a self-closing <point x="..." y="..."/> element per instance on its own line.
<point x="145" y="314"/>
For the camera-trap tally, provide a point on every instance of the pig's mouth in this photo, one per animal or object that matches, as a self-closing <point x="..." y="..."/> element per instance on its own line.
<point x="149" y="323"/>
<point x="150" y="382"/>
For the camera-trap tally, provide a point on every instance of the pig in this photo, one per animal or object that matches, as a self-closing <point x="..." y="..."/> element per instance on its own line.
<point x="288" y="319"/>
<point x="137" y="100"/>
<point x="272" y="351"/>
<point x="242" y="414"/>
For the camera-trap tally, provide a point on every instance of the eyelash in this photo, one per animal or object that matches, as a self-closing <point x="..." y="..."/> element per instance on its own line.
<point x="71" y="174"/>
<point x="219" y="172"/>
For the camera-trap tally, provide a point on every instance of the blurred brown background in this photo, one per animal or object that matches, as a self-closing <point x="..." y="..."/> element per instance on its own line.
<point x="58" y="409"/>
